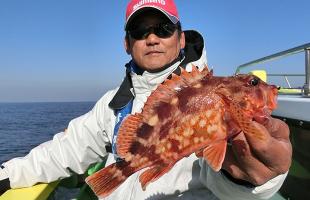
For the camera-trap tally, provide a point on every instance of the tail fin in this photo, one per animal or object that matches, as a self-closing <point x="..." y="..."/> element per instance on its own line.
<point x="106" y="180"/>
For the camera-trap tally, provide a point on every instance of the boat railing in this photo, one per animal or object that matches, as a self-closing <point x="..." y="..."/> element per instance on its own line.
<point x="286" y="77"/>
<point x="302" y="48"/>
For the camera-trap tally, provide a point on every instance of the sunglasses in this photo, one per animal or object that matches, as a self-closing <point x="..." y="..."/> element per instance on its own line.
<point x="161" y="30"/>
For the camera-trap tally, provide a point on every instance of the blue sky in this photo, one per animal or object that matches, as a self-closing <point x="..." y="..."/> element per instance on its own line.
<point x="72" y="50"/>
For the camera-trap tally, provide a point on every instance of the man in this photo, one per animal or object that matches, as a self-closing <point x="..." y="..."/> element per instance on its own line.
<point x="252" y="169"/>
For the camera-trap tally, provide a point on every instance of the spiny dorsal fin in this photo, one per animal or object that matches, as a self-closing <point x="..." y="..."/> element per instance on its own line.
<point x="127" y="133"/>
<point x="195" y="70"/>
<point x="170" y="87"/>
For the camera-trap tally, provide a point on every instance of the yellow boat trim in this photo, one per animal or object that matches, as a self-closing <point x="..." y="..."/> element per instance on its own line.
<point x="37" y="192"/>
<point x="289" y="91"/>
<point x="260" y="74"/>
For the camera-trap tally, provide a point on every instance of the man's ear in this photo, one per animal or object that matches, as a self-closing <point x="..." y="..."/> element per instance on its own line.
<point x="182" y="40"/>
<point x="127" y="45"/>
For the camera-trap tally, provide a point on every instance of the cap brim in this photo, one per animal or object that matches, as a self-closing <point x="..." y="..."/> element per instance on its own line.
<point x="172" y="18"/>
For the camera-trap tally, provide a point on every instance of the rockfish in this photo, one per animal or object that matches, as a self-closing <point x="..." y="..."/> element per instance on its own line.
<point x="194" y="112"/>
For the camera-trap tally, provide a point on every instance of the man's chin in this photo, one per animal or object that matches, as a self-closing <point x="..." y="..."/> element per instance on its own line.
<point x="154" y="67"/>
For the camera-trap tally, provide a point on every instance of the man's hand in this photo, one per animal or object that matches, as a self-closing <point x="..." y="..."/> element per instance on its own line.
<point x="257" y="161"/>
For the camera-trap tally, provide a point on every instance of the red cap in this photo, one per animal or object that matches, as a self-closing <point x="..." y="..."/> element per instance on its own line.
<point x="167" y="7"/>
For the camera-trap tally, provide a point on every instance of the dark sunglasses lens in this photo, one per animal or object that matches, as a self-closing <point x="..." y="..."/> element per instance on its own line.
<point x="162" y="31"/>
<point x="139" y="34"/>
<point x="165" y="30"/>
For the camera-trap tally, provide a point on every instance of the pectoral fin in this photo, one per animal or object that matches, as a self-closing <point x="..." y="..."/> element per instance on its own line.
<point x="215" y="154"/>
<point x="199" y="153"/>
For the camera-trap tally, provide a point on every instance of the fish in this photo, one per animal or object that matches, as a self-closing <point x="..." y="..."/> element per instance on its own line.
<point x="194" y="112"/>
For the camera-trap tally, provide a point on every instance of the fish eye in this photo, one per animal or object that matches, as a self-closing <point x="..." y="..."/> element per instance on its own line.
<point x="254" y="81"/>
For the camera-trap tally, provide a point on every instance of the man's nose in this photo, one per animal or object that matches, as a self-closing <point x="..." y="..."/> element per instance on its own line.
<point x="152" y="39"/>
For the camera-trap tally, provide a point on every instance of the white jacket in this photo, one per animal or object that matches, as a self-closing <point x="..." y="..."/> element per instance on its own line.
<point x="84" y="143"/>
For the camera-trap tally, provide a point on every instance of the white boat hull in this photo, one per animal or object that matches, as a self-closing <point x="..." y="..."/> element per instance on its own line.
<point x="294" y="107"/>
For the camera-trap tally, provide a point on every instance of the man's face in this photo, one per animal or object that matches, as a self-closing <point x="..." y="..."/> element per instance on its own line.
<point x="153" y="52"/>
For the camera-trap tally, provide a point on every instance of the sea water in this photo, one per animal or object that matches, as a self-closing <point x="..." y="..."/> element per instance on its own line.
<point x="23" y="126"/>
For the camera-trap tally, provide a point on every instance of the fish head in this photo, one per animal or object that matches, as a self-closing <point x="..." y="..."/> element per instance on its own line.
<point x="255" y="98"/>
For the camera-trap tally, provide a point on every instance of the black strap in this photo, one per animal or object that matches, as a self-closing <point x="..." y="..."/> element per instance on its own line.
<point x="108" y="148"/>
<point x="4" y="185"/>
<point x="123" y="94"/>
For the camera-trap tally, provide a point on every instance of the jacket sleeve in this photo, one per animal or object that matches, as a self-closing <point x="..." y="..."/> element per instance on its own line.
<point x="82" y="144"/>
<point x="224" y="189"/>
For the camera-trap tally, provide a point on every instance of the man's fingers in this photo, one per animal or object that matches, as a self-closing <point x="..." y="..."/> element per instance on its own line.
<point x="260" y="137"/>
<point x="241" y="164"/>
<point x="275" y="150"/>
<point x="257" y="160"/>
<point x="243" y="153"/>
<point x="278" y="129"/>
<point x="273" y="128"/>
<point x="231" y="165"/>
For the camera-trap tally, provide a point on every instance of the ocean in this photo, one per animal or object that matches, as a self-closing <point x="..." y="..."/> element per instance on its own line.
<point x="23" y="126"/>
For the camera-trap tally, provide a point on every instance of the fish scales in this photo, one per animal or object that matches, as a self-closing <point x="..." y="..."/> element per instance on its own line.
<point x="192" y="113"/>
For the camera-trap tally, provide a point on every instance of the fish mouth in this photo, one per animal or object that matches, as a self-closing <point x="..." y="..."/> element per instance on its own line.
<point x="273" y="98"/>
<point x="262" y="116"/>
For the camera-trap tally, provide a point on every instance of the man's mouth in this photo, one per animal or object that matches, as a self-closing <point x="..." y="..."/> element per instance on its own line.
<point x="153" y="53"/>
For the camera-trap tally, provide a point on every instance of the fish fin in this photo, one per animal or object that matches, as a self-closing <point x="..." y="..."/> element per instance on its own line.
<point x="127" y="133"/>
<point x="215" y="154"/>
<point x="199" y="153"/>
<point x="153" y="174"/>
<point x="163" y="93"/>
<point x="186" y="76"/>
<point x="194" y="75"/>
<point x="246" y="125"/>
<point x="106" y="180"/>
<point x="195" y="70"/>
<point x="207" y="68"/>
<point x="170" y="87"/>
<point x="211" y="72"/>
<point x="252" y="128"/>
